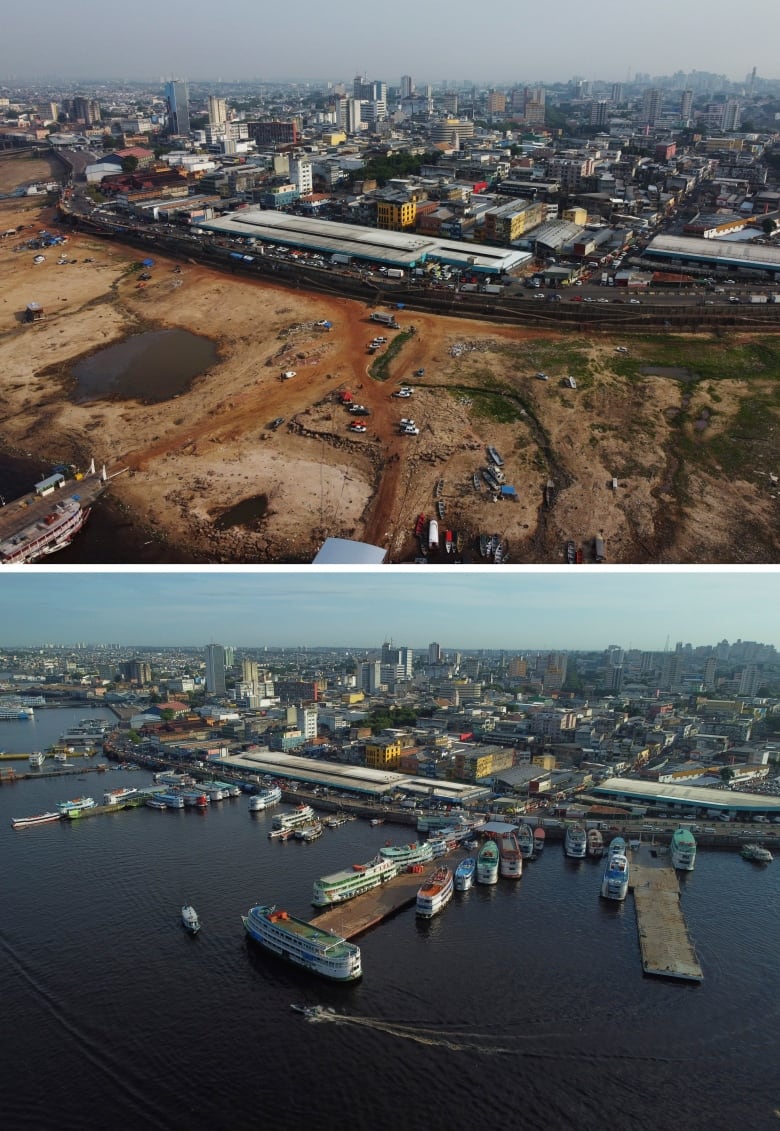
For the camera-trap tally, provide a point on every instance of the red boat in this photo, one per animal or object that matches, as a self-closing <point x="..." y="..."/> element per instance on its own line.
<point x="419" y="526"/>
<point x="448" y="541"/>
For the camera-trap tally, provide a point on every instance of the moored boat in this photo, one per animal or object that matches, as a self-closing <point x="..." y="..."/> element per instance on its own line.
<point x="309" y="832"/>
<point x="575" y="842"/>
<point x="300" y="815"/>
<point x="757" y="853"/>
<point x="303" y="944"/>
<point x="349" y="882"/>
<point x="525" y="840"/>
<point x="115" y="796"/>
<point x="37" y="758"/>
<point x="189" y="919"/>
<point x="38" y="819"/>
<point x="682" y="850"/>
<point x="614" y="884"/>
<point x="464" y="873"/>
<point x="434" y="895"/>
<point x="594" y="843"/>
<point x="617" y="845"/>
<point x="487" y="863"/>
<point x="403" y="855"/>
<point x="76" y="807"/>
<point x="510" y="857"/>
<point x="539" y="838"/>
<point x="264" y="798"/>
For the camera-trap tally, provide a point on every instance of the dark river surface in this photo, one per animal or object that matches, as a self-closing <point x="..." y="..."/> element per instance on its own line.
<point x="521" y="1006"/>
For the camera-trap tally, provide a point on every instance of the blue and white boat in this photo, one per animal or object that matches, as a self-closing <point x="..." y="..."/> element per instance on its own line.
<point x="189" y="919"/>
<point x="464" y="873"/>
<point x="575" y="842"/>
<point x="614" y="884"/>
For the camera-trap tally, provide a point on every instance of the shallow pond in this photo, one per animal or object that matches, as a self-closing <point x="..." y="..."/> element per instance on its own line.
<point x="149" y="367"/>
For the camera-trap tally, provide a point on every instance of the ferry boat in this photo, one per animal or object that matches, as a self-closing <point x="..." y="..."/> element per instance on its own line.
<point x="539" y="838"/>
<point x="37" y="758"/>
<point x="617" y="845"/>
<point x="51" y="531"/>
<point x="682" y="850"/>
<point x="300" y="815"/>
<point x="432" y="822"/>
<point x="594" y="843"/>
<point x="76" y="807"/>
<point x="435" y="893"/>
<point x="172" y="799"/>
<point x="575" y="842"/>
<point x="155" y="803"/>
<point x="510" y="854"/>
<point x="12" y="711"/>
<point x="88" y="733"/>
<point x="189" y="919"/>
<point x="114" y="796"/>
<point x="404" y="855"/>
<point x="487" y="863"/>
<point x="464" y="873"/>
<point x="303" y="944"/>
<point x="614" y="885"/>
<point x="308" y="832"/>
<point x="757" y="853"/>
<point x="525" y="840"/>
<point x="265" y="798"/>
<point x="38" y="819"/>
<point x="194" y="798"/>
<point x="349" y="882"/>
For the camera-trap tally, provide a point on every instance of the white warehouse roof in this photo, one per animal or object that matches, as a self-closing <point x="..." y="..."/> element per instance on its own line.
<point x="725" y="799"/>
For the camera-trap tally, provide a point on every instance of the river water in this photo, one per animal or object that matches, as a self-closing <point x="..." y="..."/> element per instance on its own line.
<point x="22" y="736"/>
<point x="521" y="1005"/>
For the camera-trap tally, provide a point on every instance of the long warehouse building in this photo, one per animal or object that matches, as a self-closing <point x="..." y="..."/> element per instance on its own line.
<point x="712" y="253"/>
<point x="361" y="244"/>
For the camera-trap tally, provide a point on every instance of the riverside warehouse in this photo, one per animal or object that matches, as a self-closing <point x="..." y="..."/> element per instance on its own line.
<point x="678" y="798"/>
<point x="361" y="781"/>
<point x="368" y="246"/>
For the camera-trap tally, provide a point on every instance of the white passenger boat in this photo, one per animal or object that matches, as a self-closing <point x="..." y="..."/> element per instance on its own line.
<point x="303" y="944"/>
<point x="434" y="895"/>
<point x="510" y="854"/>
<point x="575" y="842"/>
<point x="189" y="919"/>
<point x="757" y="853"/>
<point x="406" y="855"/>
<point x="264" y="798"/>
<point x="349" y="882"/>
<point x="525" y="840"/>
<point x="76" y="807"/>
<point x="38" y="819"/>
<point x="300" y="815"/>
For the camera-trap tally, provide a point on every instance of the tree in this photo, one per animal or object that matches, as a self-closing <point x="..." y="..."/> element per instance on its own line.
<point x="726" y="774"/>
<point x="129" y="164"/>
<point x="768" y="226"/>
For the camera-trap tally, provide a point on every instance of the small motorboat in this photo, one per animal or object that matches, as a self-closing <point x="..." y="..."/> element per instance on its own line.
<point x="189" y="919"/>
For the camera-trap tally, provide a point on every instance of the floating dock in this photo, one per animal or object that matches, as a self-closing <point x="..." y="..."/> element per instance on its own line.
<point x="357" y="915"/>
<point x="667" y="950"/>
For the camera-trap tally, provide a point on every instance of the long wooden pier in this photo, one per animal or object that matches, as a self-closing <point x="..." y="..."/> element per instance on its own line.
<point x="667" y="950"/>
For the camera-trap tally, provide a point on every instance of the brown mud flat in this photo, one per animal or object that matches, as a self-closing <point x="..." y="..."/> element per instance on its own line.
<point x="207" y="470"/>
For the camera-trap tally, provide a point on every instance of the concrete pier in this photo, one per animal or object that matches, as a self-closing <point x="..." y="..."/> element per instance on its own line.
<point x="667" y="950"/>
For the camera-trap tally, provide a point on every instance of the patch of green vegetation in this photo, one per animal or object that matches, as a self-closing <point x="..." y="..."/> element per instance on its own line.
<point x="750" y="437"/>
<point x="705" y="358"/>
<point x="496" y="407"/>
<point x="379" y="370"/>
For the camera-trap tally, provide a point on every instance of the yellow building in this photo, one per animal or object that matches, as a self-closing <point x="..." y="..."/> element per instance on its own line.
<point x="334" y="138"/>
<point x="507" y="222"/>
<point x="577" y="216"/>
<point x="396" y="215"/>
<point x="473" y="765"/>
<point x="381" y="753"/>
<point x="546" y="761"/>
<point x="353" y="697"/>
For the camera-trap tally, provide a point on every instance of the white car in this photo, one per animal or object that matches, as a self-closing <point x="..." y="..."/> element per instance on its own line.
<point x="410" y="430"/>
<point x="288" y="373"/>
<point x="404" y="392"/>
<point x="356" y="427"/>
<point x="634" y="302"/>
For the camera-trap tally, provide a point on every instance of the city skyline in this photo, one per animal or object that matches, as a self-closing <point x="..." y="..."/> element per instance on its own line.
<point x="575" y="609"/>
<point x="559" y="42"/>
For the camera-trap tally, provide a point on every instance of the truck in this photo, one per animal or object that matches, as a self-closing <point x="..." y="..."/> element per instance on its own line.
<point x="394" y="273"/>
<point x="492" y="289"/>
<point x="385" y="319"/>
<point x="759" y="298"/>
<point x="339" y="257"/>
<point x="469" y="287"/>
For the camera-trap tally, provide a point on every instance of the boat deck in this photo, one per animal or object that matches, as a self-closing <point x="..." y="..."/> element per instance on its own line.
<point x="667" y="950"/>
<point x="20" y="514"/>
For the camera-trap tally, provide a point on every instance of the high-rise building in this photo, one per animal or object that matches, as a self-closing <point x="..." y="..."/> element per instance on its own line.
<point x="301" y="175"/>
<point x="406" y="86"/>
<point x="748" y="681"/>
<point x="215" y="669"/>
<point x="306" y="721"/>
<point x="434" y="653"/>
<point x="651" y="106"/>
<point x="177" y="96"/>
<point x="616" y="94"/>
<point x="709" y="673"/>
<point x="732" y="115"/>
<point x="686" y="105"/>
<point x="137" y="671"/>
<point x="599" y="112"/>
<point x="217" y="111"/>
<point x="250" y="673"/>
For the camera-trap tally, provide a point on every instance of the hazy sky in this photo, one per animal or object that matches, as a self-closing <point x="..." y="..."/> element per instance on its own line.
<point x="314" y="40"/>
<point x="572" y="608"/>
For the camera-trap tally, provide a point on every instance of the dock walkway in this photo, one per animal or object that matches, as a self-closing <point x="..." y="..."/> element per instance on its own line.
<point x="667" y="950"/>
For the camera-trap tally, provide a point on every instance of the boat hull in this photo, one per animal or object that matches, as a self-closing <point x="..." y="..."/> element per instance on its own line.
<point x="302" y="944"/>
